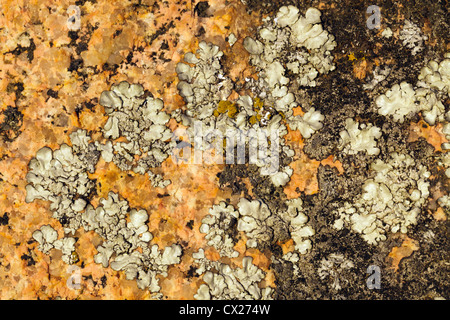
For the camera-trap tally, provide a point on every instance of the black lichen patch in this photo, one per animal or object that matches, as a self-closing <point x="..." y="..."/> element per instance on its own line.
<point x="73" y="35"/>
<point x="82" y="2"/>
<point x="103" y="281"/>
<point x="4" y="220"/>
<point x="17" y="88"/>
<point x="90" y="105"/>
<point x="29" y="50"/>
<point x="11" y="124"/>
<point x="161" y="31"/>
<point x="52" y="93"/>
<point x="190" y="224"/>
<point x="231" y="178"/>
<point x="421" y="151"/>
<point x="335" y="187"/>
<point x="110" y="67"/>
<point x="75" y="64"/>
<point x="201" y="9"/>
<point x="161" y="195"/>
<point x="201" y="31"/>
<point x="164" y="45"/>
<point x="28" y="258"/>
<point x="82" y="46"/>
<point x="191" y="273"/>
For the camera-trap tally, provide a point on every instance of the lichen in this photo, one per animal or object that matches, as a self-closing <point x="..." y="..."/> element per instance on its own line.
<point x="61" y="177"/>
<point x="359" y="137"/>
<point x="333" y="267"/>
<point x="240" y="283"/>
<point x="381" y="188"/>
<point x="412" y="37"/>
<point x="390" y="202"/>
<point x="219" y="227"/>
<point x="143" y="123"/>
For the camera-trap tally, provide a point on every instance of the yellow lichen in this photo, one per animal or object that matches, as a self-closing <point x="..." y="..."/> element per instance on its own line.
<point x="232" y="111"/>
<point x="257" y="104"/>
<point x="74" y="256"/>
<point x="223" y="106"/>
<point x="253" y="120"/>
<point x="226" y="106"/>
<point x="352" y="57"/>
